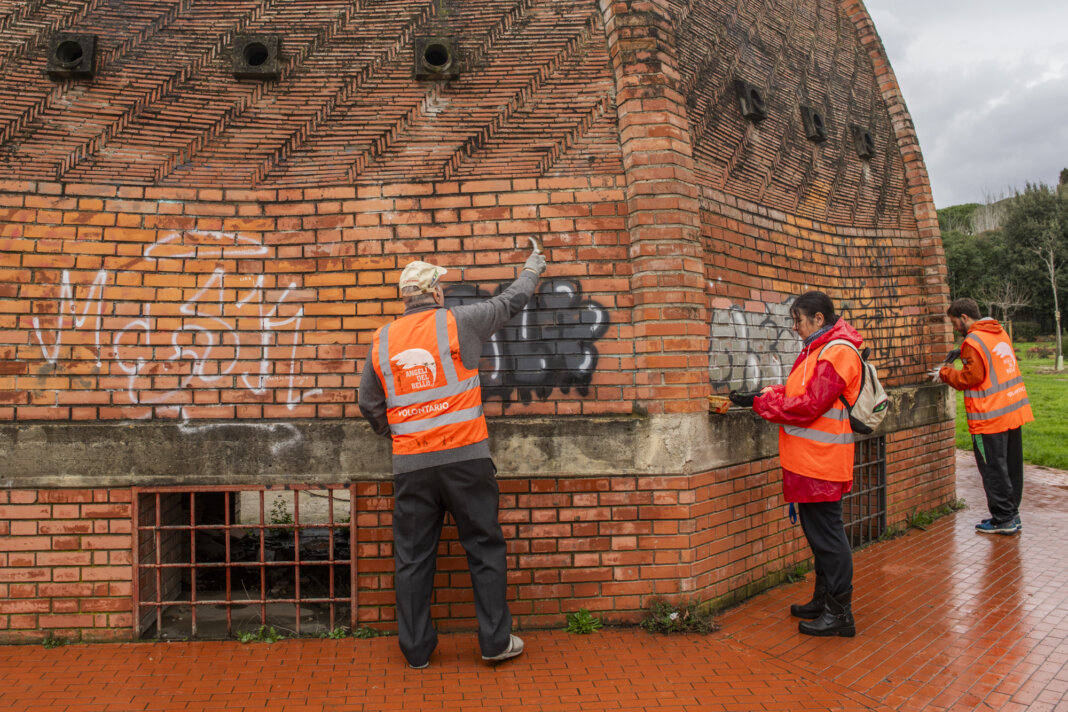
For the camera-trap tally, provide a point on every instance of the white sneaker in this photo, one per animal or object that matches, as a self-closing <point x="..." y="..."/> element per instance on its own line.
<point x="515" y="647"/>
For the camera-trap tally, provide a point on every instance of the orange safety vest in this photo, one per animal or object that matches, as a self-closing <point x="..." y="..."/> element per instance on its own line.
<point x="823" y="449"/>
<point x="1000" y="402"/>
<point x="433" y="402"/>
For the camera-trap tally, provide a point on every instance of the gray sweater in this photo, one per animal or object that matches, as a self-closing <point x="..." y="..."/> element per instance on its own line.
<point x="475" y="324"/>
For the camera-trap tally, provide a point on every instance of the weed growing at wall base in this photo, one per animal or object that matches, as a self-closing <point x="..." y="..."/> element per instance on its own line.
<point x="921" y="520"/>
<point x="266" y="634"/>
<point x="583" y="622"/>
<point x="798" y="572"/>
<point x="665" y="617"/>
<point x="338" y="633"/>
<point x="366" y="631"/>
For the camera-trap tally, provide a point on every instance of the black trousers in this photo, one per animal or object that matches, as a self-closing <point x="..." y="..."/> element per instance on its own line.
<point x="467" y="490"/>
<point x="1000" y="460"/>
<point x="825" y="532"/>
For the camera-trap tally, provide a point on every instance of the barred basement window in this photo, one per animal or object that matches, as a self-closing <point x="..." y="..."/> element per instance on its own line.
<point x="213" y="562"/>
<point x="864" y="508"/>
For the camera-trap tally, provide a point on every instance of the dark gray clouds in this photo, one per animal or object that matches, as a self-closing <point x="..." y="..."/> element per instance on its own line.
<point x="986" y="82"/>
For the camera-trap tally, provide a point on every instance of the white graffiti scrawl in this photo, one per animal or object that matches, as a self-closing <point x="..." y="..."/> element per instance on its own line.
<point x="232" y="332"/>
<point x="750" y="348"/>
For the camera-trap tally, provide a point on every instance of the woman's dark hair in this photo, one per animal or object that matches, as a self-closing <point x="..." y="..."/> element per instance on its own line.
<point x="812" y="303"/>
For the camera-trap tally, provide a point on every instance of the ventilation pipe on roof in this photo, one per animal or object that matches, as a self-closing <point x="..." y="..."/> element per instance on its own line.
<point x="863" y="142"/>
<point x="815" y="125"/>
<point x="436" y="58"/>
<point x="71" y="56"/>
<point x="751" y="101"/>
<point x="257" y="56"/>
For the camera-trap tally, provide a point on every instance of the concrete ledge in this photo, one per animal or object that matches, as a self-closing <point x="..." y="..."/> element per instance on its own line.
<point x="157" y="453"/>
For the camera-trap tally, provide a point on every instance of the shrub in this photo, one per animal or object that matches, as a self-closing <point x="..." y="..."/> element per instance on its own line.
<point x="1025" y="330"/>
<point x="1041" y="352"/>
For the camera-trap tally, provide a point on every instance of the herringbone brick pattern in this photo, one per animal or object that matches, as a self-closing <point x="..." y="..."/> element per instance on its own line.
<point x="534" y="97"/>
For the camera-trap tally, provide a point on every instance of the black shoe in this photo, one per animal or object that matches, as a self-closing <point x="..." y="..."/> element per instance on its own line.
<point x="836" y="619"/>
<point x="812" y="609"/>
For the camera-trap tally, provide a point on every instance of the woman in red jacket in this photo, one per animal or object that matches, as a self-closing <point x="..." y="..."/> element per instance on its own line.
<point x="816" y="453"/>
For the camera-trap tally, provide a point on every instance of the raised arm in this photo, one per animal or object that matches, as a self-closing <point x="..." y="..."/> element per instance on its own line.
<point x="476" y="323"/>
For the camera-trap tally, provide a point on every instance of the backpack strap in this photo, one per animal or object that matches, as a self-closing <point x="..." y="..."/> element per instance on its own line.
<point x="863" y="370"/>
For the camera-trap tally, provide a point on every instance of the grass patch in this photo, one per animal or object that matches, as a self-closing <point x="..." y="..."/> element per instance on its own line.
<point x="1043" y="440"/>
<point x="921" y="520"/>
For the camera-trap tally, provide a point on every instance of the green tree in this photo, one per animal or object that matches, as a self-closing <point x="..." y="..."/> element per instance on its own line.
<point x="957" y="218"/>
<point x="1037" y="222"/>
<point x="977" y="265"/>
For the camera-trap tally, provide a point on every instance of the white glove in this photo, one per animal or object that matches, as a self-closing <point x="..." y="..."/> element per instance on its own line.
<point x="935" y="374"/>
<point x="535" y="263"/>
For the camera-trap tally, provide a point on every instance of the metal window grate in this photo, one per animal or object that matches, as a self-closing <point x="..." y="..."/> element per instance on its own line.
<point x="211" y="562"/>
<point x="864" y="508"/>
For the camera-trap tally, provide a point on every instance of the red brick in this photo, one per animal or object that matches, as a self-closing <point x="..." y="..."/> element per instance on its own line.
<point x="25" y="543"/>
<point x="65" y="621"/>
<point x="11" y="574"/>
<point x="25" y="511"/>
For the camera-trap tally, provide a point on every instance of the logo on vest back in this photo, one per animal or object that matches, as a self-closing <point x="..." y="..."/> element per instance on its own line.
<point x="418" y="368"/>
<point x="1005" y="352"/>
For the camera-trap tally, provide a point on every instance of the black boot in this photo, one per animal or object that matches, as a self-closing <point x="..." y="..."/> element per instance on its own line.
<point x="836" y="619"/>
<point x="812" y="609"/>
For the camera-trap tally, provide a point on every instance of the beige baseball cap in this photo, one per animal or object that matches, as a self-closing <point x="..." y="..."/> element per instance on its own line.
<point x="421" y="276"/>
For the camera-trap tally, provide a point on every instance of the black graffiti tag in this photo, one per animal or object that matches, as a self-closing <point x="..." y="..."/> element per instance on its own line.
<point x="548" y="345"/>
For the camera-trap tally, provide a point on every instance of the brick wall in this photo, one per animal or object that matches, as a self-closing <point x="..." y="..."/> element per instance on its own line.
<point x="130" y="303"/>
<point x="607" y="544"/>
<point x="210" y="252"/>
<point x="65" y="564"/>
<point x="920" y="469"/>
<point x="759" y="261"/>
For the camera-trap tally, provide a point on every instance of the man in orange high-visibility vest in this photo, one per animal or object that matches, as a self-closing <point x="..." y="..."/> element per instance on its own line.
<point x="420" y="388"/>
<point x="996" y="402"/>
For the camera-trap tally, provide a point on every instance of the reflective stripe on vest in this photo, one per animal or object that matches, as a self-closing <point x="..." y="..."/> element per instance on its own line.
<point x="824" y="448"/>
<point x="443" y="416"/>
<point x="460" y="416"/>
<point x="1000" y="402"/>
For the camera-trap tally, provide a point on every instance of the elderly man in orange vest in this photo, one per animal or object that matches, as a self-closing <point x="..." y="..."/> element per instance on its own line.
<point x="420" y="387"/>
<point x="997" y="406"/>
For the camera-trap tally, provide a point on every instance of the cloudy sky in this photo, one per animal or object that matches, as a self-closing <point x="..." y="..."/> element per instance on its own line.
<point x="986" y="82"/>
